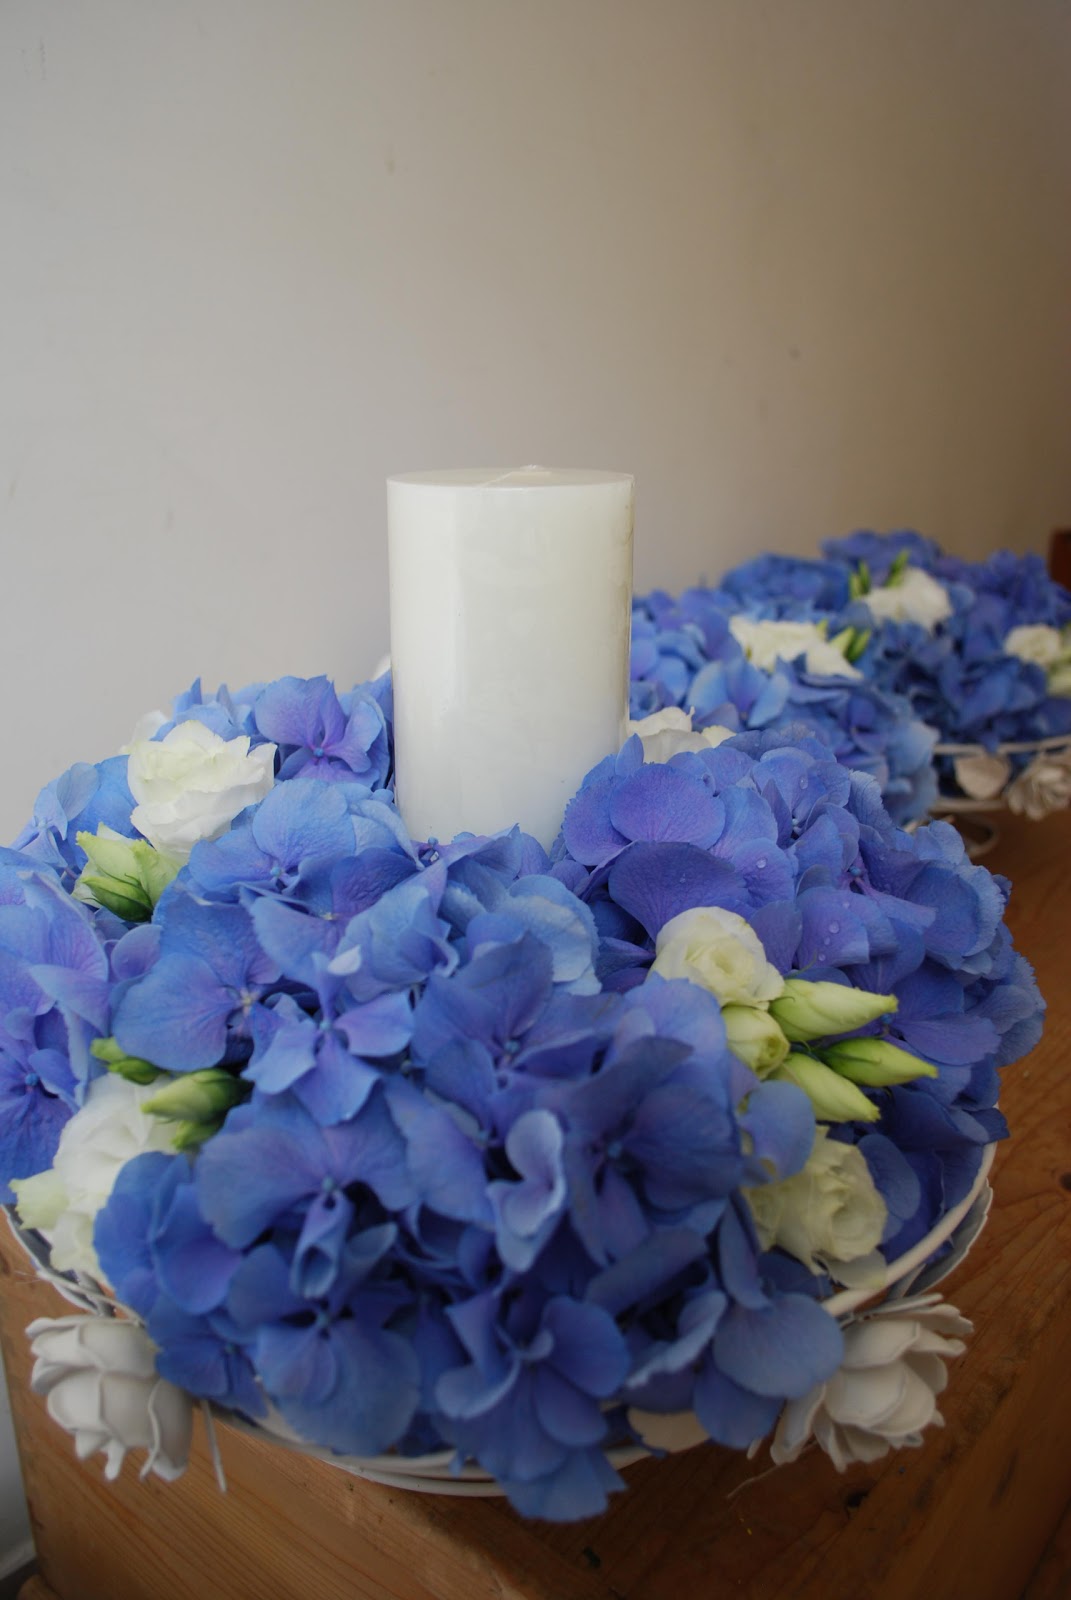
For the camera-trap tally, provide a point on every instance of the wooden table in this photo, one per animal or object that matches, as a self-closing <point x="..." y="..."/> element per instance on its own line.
<point x="972" y="1514"/>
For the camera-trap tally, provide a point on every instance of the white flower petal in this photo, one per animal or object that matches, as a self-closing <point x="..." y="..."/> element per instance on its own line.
<point x="677" y="1430"/>
<point x="878" y="1341"/>
<point x="982" y="776"/>
<point x="866" y="1398"/>
<point x="930" y="1368"/>
<point x="915" y="1409"/>
<point x="795" y="1425"/>
<point x="125" y="1409"/>
<point x="1044" y="786"/>
<point x="857" y="1445"/>
<point x="171" y="1419"/>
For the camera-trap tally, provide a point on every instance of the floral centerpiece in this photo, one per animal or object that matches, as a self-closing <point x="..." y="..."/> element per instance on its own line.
<point x="726" y="667"/>
<point x="399" y="1147"/>
<point x="980" y="651"/>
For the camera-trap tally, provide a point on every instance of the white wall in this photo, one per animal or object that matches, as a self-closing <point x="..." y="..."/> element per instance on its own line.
<point x="16" y="1547"/>
<point x="801" y="265"/>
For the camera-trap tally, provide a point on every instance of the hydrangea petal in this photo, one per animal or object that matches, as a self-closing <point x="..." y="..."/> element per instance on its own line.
<point x="780" y="1350"/>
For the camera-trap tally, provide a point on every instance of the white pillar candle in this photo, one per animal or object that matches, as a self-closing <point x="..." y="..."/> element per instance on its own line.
<point x="510" y="607"/>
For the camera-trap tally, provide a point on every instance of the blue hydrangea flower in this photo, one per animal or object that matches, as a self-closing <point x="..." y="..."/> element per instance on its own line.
<point x="196" y="1005"/>
<point x="321" y="735"/>
<point x="78" y="802"/>
<point x="229" y="716"/>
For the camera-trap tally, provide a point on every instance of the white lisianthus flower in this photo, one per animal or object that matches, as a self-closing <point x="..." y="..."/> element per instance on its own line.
<point x="1035" y="642"/>
<point x="100" y="1379"/>
<point x="62" y="1203"/>
<point x="665" y="734"/>
<point x="192" y="784"/>
<point x="719" y="951"/>
<point x="885" y="1392"/>
<point x="767" y="642"/>
<point x="827" y="1214"/>
<point x="914" y="597"/>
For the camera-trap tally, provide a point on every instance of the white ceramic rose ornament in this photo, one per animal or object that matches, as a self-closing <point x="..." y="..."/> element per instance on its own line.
<point x="1044" y="786"/>
<point x="885" y="1392"/>
<point x="100" y="1381"/>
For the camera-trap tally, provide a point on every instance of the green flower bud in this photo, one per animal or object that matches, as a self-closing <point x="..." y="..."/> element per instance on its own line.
<point x="813" y="1010"/>
<point x="753" y="1036"/>
<point x="832" y="1097"/>
<point x="860" y="639"/>
<point x="132" y="1068"/>
<point x="202" y="1098"/>
<point x="191" y="1135"/>
<point x="859" y="582"/>
<point x="896" y="571"/>
<point x="851" y="642"/>
<point x="125" y="876"/>
<point x="875" y="1062"/>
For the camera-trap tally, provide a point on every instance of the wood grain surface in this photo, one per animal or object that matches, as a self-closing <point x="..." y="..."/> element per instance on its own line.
<point x="971" y="1514"/>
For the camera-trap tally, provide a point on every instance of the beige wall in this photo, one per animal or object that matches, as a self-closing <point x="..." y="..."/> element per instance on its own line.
<point x="800" y="265"/>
